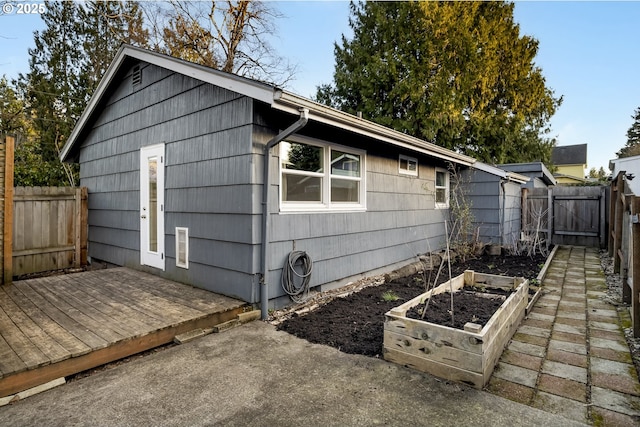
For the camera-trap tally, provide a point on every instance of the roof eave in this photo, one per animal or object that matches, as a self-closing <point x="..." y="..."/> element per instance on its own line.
<point x="290" y="102"/>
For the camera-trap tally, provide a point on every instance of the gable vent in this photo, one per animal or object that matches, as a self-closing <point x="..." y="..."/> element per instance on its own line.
<point x="137" y="75"/>
<point x="182" y="247"/>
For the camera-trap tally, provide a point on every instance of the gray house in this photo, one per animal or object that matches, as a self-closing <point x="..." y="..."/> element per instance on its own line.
<point x="173" y="155"/>
<point x="539" y="175"/>
<point x="495" y="197"/>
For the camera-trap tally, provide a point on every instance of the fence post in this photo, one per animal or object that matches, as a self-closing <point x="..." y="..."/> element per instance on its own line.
<point x="524" y="211"/>
<point x="613" y="198"/>
<point x="635" y="260"/>
<point x="617" y="227"/>
<point x="78" y="227"/>
<point x="7" y="221"/>
<point x="603" y="217"/>
<point x="550" y="217"/>
<point x="84" y="225"/>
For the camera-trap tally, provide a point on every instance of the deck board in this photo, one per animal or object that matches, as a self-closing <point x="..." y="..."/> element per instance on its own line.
<point x="53" y="330"/>
<point x="119" y="313"/>
<point x="75" y="298"/>
<point x="49" y="347"/>
<point x="20" y="344"/>
<point x="59" y="325"/>
<point x="66" y="315"/>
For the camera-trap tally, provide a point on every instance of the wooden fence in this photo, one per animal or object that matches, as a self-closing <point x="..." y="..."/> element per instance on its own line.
<point x="49" y="229"/>
<point x="566" y="215"/>
<point x="6" y="206"/>
<point x="624" y="243"/>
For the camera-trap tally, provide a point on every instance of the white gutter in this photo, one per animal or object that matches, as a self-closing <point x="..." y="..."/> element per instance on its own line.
<point x="289" y="102"/>
<point x="510" y="176"/>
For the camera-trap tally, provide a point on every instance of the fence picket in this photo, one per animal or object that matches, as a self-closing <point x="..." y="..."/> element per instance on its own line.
<point x="49" y="229"/>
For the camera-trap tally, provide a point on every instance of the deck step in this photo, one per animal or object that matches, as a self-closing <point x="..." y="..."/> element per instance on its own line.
<point x="191" y="335"/>
<point x="226" y="325"/>
<point x="32" y="391"/>
<point x="249" y="316"/>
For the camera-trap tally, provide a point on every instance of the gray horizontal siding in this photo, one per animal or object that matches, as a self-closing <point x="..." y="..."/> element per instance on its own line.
<point x="151" y="76"/>
<point x="495" y="207"/>
<point x="237" y="228"/>
<point x="118" y="200"/>
<point x="215" y="279"/>
<point x="400" y="222"/>
<point x="149" y="127"/>
<point x="482" y="190"/>
<point x="208" y="178"/>
<point x="115" y="237"/>
<point x="212" y="172"/>
<point x="231" y="199"/>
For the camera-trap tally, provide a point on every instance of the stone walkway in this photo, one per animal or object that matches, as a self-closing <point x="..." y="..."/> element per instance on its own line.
<point x="569" y="356"/>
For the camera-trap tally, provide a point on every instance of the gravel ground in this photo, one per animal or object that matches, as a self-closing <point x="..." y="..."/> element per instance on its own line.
<point x="614" y="296"/>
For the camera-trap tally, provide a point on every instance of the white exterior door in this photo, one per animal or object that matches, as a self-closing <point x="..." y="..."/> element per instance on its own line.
<point x="152" y="206"/>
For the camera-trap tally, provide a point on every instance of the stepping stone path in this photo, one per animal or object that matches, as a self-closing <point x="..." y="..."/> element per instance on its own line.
<point x="569" y="356"/>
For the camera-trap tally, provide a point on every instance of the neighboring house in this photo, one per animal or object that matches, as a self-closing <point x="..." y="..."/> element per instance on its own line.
<point x="631" y="167"/>
<point x="172" y="154"/>
<point x="539" y="175"/>
<point x="570" y="162"/>
<point x="495" y="197"/>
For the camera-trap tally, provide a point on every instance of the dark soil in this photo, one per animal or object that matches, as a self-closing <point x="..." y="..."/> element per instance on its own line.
<point x="469" y="307"/>
<point x="354" y="323"/>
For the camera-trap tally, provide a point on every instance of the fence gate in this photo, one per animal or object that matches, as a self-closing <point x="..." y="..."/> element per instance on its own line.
<point x="566" y="215"/>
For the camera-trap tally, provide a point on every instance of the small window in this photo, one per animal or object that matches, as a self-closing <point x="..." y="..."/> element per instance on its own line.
<point x="317" y="176"/>
<point x="182" y="247"/>
<point x="442" y="189"/>
<point x="408" y="165"/>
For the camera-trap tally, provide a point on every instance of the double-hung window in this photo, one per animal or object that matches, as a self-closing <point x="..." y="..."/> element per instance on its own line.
<point x="315" y="176"/>
<point x="442" y="189"/>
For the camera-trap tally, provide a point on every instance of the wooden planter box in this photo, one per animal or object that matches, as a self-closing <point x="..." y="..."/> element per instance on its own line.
<point x="468" y="355"/>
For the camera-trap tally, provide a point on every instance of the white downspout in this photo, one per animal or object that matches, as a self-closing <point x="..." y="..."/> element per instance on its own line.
<point x="295" y="127"/>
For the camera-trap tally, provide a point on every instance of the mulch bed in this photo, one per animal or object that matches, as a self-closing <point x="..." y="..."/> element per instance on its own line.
<point x="354" y="323"/>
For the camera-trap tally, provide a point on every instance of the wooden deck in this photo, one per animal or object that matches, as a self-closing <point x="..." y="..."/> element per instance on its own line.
<point x="55" y="326"/>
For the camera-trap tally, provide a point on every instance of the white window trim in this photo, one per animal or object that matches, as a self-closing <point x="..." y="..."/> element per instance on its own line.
<point x="408" y="159"/>
<point x="446" y="187"/>
<point x="327" y="206"/>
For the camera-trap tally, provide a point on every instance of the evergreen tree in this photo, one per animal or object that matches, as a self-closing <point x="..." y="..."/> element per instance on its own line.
<point x="632" y="146"/>
<point x="53" y="88"/>
<point x="108" y="24"/>
<point x="599" y="174"/>
<point x="13" y="120"/>
<point x="458" y="74"/>
<point x="71" y="55"/>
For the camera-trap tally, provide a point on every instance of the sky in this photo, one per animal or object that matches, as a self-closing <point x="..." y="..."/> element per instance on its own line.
<point x="588" y="53"/>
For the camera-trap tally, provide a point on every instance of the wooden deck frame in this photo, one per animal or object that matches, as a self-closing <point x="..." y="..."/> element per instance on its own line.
<point x="164" y="309"/>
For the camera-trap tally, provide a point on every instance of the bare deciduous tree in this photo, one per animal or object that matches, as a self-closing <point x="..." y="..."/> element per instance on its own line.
<point x="229" y="35"/>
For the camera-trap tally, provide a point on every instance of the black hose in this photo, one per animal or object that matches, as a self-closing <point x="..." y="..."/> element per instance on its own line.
<point x="297" y="292"/>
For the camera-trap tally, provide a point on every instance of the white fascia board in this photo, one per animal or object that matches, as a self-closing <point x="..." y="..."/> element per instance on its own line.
<point x="511" y="176"/>
<point x="251" y="88"/>
<point x="244" y="86"/>
<point x="291" y="103"/>
<point x="93" y="102"/>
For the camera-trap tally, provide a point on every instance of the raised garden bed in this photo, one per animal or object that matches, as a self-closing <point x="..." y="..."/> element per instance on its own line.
<point x="467" y="355"/>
